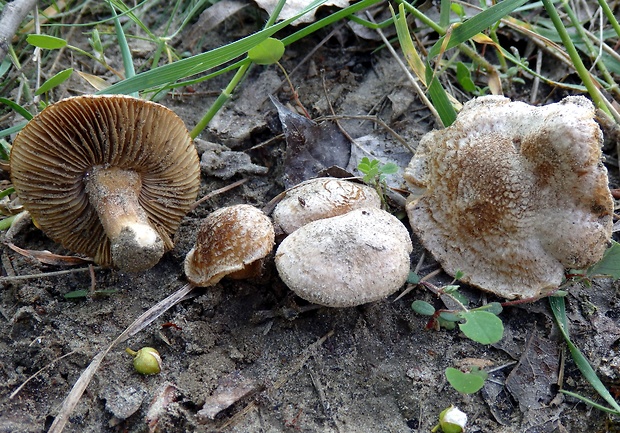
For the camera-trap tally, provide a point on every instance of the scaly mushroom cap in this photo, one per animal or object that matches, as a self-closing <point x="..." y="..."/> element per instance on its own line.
<point x="319" y="198"/>
<point x="72" y="162"/>
<point x="511" y="194"/>
<point x="347" y="260"/>
<point x="231" y="242"/>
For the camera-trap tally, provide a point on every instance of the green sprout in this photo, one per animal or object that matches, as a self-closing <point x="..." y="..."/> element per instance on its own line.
<point x="479" y="324"/>
<point x="374" y="174"/>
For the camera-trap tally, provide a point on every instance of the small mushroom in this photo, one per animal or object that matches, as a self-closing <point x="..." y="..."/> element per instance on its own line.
<point x="512" y="195"/>
<point x="232" y="241"/>
<point x="107" y="176"/>
<point x="347" y="260"/>
<point x="323" y="197"/>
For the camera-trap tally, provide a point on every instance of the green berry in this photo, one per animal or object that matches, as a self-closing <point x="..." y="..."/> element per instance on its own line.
<point x="146" y="360"/>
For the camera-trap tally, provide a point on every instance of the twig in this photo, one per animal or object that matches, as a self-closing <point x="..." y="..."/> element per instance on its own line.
<point x="285" y="376"/>
<point x="13" y="14"/>
<point x="46" y="274"/>
<point x="375" y="119"/>
<point x="412" y="80"/>
<point x="217" y="192"/>
<point x="536" y="82"/>
<point x="140" y="323"/>
<point x="20" y="387"/>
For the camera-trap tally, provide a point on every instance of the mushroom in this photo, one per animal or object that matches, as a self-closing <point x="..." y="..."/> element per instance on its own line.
<point x="346" y="260"/>
<point x="512" y="195"/>
<point x="319" y="198"/>
<point x="232" y="241"/>
<point x="107" y="176"/>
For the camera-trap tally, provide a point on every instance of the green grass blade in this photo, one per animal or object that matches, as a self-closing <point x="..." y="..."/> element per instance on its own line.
<point x="125" y="10"/>
<point x="6" y="223"/>
<point x="610" y="16"/>
<point x="200" y="63"/>
<point x="17" y="108"/>
<point x="559" y="312"/>
<point x="56" y="80"/>
<point x="582" y="71"/>
<point x="12" y="130"/>
<point x="476" y="24"/>
<point x="189" y="16"/>
<point x="588" y="401"/>
<point x="6" y="192"/>
<point x="440" y="98"/>
<point x="124" y="47"/>
<point x="444" y="13"/>
<point x="332" y="18"/>
<point x="406" y="44"/>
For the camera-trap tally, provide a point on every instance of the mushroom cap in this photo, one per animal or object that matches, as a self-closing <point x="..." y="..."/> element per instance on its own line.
<point x="512" y="194"/>
<point x="347" y="260"/>
<point x="323" y="197"/>
<point x="229" y="240"/>
<point x="55" y="151"/>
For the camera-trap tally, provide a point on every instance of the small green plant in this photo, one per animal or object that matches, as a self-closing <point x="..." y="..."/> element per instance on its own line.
<point x="479" y="324"/>
<point x="374" y="174"/>
<point x="84" y="294"/>
<point x="468" y="382"/>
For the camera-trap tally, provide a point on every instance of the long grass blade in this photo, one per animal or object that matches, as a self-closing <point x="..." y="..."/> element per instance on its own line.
<point x="406" y="44"/>
<point x="559" y="312"/>
<point x="17" y="108"/>
<point x="476" y="24"/>
<point x="440" y="98"/>
<point x="598" y="99"/>
<point x="200" y="63"/>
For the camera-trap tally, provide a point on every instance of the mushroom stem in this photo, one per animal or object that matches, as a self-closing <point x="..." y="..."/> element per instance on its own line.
<point x="134" y="243"/>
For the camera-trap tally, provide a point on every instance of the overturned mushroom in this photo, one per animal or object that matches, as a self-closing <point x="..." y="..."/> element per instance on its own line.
<point x="511" y="194"/>
<point x="347" y="260"/>
<point x="107" y="176"/>
<point x="232" y="241"/>
<point x="319" y="198"/>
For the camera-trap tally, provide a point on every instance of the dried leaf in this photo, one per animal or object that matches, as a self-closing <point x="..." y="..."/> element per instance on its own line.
<point x="530" y="381"/>
<point x="293" y="7"/>
<point x="49" y="258"/>
<point x="230" y="390"/>
<point x="97" y="82"/>
<point x="311" y="147"/>
<point x="166" y="394"/>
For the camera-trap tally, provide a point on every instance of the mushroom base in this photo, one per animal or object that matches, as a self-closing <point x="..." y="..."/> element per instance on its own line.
<point x="114" y="193"/>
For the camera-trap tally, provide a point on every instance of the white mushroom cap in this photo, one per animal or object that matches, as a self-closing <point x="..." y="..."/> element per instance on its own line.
<point x="323" y="197"/>
<point x="231" y="242"/>
<point x="347" y="260"/>
<point x="512" y="194"/>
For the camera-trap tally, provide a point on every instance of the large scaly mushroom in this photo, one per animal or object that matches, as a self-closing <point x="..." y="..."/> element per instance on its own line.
<point x="512" y="195"/>
<point x="107" y="176"/>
